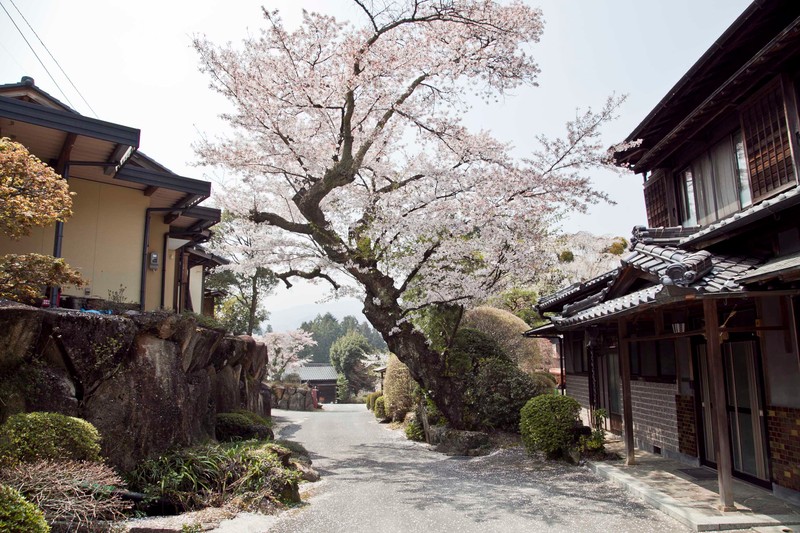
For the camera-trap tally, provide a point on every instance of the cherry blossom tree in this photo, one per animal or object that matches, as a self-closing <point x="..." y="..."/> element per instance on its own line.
<point x="284" y="351"/>
<point x="245" y="281"/>
<point x="31" y="194"/>
<point x="354" y="159"/>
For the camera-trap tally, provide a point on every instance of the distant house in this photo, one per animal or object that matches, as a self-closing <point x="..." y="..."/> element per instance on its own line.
<point x="136" y="226"/>
<point x="322" y="376"/>
<point x="691" y="344"/>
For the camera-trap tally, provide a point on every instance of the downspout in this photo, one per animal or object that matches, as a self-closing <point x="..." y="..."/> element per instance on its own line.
<point x="58" y="241"/>
<point x="561" y="365"/>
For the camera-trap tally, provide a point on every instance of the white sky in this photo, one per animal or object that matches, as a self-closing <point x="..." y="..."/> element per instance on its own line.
<point x="133" y="63"/>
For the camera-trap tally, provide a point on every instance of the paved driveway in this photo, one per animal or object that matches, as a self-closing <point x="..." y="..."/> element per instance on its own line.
<point x="376" y="481"/>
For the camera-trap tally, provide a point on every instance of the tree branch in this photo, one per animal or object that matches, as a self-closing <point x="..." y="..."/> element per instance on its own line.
<point x="314" y="274"/>
<point x="425" y="256"/>
<point x="260" y="217"/>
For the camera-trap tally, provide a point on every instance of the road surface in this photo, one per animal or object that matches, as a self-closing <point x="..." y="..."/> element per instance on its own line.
<point x="376" y="481"/>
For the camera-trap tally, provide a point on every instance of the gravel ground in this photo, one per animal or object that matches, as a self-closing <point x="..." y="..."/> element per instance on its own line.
<point x="376" y="480"/>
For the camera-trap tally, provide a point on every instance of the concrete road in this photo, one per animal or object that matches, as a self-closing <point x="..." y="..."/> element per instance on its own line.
<point x="376" y="481"/>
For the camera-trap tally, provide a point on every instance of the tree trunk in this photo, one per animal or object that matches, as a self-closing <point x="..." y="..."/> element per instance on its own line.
<point x="251" y="319"/>
<point x="426" y="365"/>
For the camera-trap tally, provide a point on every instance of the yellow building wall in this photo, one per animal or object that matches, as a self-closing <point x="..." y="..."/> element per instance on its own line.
<point x="103" y="239"/>
<point x="196" y="288"/>
<point x="158" y="231"/>
<point x="103" y="242"/>
<point x="40" y="241"/>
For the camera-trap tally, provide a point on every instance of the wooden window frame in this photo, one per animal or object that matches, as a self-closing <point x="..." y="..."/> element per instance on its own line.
<point x="636" y="358"/>
<point x="784" y="88"/>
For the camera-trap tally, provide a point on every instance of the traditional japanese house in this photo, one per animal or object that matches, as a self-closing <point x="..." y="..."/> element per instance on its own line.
<point x="135" y="225"/>
<point x="692" y="343"/>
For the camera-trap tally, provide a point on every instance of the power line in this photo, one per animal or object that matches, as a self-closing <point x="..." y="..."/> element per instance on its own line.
<point x="53" y="58"/>
<point x="37" y="55"/>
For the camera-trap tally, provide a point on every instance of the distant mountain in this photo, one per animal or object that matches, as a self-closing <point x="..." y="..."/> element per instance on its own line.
<point x="292" y="317"/>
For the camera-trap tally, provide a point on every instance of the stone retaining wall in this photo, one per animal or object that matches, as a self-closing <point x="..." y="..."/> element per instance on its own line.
<point x="146" y="381"/>
<point x="292" y="397"/>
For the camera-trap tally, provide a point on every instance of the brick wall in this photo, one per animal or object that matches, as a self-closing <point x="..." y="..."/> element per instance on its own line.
<point x="655" y="419"/>
<point x="687" y="435"/>
<point x="783" y="426"/>
<point x="578" y="388"/>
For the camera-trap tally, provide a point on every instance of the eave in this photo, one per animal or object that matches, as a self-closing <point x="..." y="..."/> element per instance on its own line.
<point x="65" y="121"/>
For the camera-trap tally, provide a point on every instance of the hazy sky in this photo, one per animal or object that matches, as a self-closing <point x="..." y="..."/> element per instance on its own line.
<point x="133" y="63"/>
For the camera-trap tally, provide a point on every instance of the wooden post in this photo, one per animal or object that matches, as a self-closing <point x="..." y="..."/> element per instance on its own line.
<point x="716" y="375"/>
<point x="627" y="410"/>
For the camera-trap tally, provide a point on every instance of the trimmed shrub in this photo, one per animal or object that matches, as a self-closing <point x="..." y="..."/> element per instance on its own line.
<point x="397" y="388"/>
<point x="32" y="436"/>
<point x="380" y="408"/>
<point x="76" y="495"/>
<point x="492" y="387"/>
<point x="342" y="389"/>
<point x="469" y="346"/>
<point x="371" y="397"/>
<point x="546" y="378"/>
<point x="497" y="393"/>
<point x="18" y="514"/>
<point x="247" y="474"/>
<point x="506" y="329"/>
<point x="242" y="425"/>
<point x="548" y="423"/>
<point x="254" y="418"/>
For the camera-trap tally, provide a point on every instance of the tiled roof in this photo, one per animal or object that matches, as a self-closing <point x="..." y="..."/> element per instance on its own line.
<point x="780" y="267"/>
<point x="568" y="293"/>
<point x="317" y="372"/>
<point x="746" y="216"/>
<point x="611" y="307"/>
<point x="662" y="236"/>
<point x="699" y="272"/>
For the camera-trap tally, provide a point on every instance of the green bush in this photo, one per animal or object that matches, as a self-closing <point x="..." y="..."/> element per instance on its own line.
<point x="492" y="388"/>
<point x="371" y="397"/>
<point x="497" y="393"/>
<point x="31" y="436"/>
<point x="546" y="378"/>
<point x="415" y="431"/>
<point x="242" y="425"/>
<point x="397" y="389"/>
<point x="380" y="408"/>
<point x="254" y="418"/>
<point x="248" y="474"/>
<point x="469" y="346"/>
<point x="19" y="515"/>
<point x="505" y="328"/>
<point x="342" y="389"/>
<point x="548" y="423"/>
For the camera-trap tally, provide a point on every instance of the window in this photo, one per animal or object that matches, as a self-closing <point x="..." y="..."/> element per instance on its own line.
<point x="715" y="184"/>
<point x="687" y="198"/>
<point x="655" y="200"/>
<point x="766" y="135"/>
<point x="653" y="360"/>
<point x="575" y="360"/>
